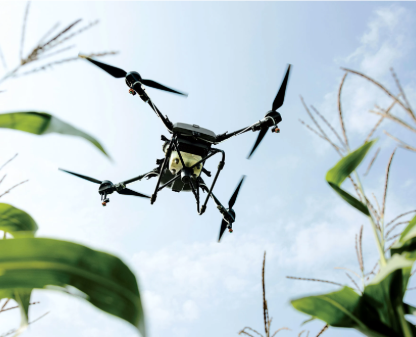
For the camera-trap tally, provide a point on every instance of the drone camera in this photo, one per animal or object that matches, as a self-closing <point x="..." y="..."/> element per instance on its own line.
<point x="105" y="201"/>
<point x="186" y="174"/>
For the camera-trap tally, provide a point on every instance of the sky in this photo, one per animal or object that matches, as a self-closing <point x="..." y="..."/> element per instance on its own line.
<point x="231" y="58"/>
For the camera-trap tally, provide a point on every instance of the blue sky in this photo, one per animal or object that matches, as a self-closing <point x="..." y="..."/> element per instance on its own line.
<point x="230" y="57"/>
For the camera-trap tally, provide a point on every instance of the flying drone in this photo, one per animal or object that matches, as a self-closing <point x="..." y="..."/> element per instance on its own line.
<point x="187" y="150"/>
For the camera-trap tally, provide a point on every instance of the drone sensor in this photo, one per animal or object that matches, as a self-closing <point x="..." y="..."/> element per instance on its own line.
<point x="189" y="159"/>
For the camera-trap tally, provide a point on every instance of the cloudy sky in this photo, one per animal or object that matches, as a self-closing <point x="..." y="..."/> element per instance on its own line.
<point x="230" y="58"/>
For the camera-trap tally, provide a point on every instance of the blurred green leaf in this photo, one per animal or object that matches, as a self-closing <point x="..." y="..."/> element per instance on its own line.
<point x="19" y="224"/>
<point x="16" y="222"/>
<point x="40" y="123"/>
<point x="307" y="321"/>
<point x="376" y="312"/>
<point x="336" y="175"/>
<point x="22" y="298"/>
<point x="409" y="310"/>
<point x="406" y="244"/>
<point x="104" y="280"/>
<point x="348" y="164"/>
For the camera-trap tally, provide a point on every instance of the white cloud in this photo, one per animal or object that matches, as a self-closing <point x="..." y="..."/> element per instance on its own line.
<point x="183" y="280"/>
<point x="386" y="43"/>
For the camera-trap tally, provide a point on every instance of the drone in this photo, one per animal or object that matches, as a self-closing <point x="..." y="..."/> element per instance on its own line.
<point x="186" y="151"/>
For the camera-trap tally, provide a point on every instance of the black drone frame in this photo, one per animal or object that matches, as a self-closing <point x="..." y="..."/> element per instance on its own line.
<point x="185" y="174"/>
<point x="136" y="83"/>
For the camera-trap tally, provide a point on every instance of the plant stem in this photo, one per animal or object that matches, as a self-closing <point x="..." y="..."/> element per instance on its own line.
<point x="403" y="322"/>
<point x="383" y="261"/>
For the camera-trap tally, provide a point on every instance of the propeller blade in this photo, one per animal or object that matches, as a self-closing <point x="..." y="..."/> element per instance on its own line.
<point x="280" y="97"/>
<point x="260" y="137"/>
<point x="113" y="71"/>
<point x="234" y="196"/>
<point x="222" y="229"/>
<point x="128" y="191"/>
<point x="83" y="177"/>
<point x="156" y="85"/>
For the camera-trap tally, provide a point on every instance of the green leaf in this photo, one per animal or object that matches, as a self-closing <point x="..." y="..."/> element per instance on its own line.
<point x="336" y="308"/>
<point x="377" y="312"/>
<point x="16" y="222"/>
<point x="105" y="280"/>
<point x="406" y="244"/>
<point x="340" y="309"/>
<point x="348" y="164"/>
<point x="350" y="199"/>
<point x="307" y="321"/>
<point x="22" y="298"/>
<point x="387" y="289"/>
<point x="409" y="310"/>
<point x="40" y="123"/>
<point x="336" y="175"/>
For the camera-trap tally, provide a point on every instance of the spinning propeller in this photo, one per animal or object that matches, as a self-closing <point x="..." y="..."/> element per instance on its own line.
<point x="272" y="117"/>
<point x="132" y="77"/>
<point x="107" y="187"/>
<point x="229" y="214"/>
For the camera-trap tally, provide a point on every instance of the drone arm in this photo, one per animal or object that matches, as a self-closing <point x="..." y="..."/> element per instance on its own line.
<point x="147" y="175"/>
<point x="138" y="88"/>
<point x="271" y="118"/>
<point x="220" y="207"/>
<point x="225" y="136"/>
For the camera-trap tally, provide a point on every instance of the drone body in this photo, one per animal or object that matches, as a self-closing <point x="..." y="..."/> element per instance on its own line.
<point x="186" y="152"/>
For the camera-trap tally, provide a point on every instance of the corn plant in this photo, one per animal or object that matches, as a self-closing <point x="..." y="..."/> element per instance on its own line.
<point x="376" y="307"/>
<point x="248" y="331"/>
<point x="53" y="43"/>
<point x="28" y="263"/>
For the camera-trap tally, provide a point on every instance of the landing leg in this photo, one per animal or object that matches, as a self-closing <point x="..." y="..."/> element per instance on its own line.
<point x="165" y="162"/>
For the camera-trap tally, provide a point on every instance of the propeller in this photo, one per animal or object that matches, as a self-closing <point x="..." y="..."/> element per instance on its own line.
<point x="107" y="187"/>
<point x="82" y="176"/>
<point x="120" y="73"/>
<point x="127" y="191"/>
<point x="229" y="213"/>
<point x="272" y="117"/>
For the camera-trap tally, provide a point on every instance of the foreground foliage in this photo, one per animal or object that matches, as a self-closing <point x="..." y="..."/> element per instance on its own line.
<point x="376" y="309"/>
<point x="28" y="263"/>
<point x="41" y="123"/>
<point x="102" y="279"/>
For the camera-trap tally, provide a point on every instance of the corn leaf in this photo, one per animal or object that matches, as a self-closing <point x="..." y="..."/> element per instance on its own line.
<point x="41" y="123"/>
<point x="376" y="312"/>
<point x="22" y="298"/>
<point x="102" y="279"/>
<point x="348" y="164"/>
<point x="16" y="222"/>
<point x="406" y="244"/>
<point x="336" y="175"/>
<point x="350" y="199"/>
<point x="386" y="292"/>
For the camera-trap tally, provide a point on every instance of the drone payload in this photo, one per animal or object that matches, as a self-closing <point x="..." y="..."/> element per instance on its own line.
<point x="186" y="152"/>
